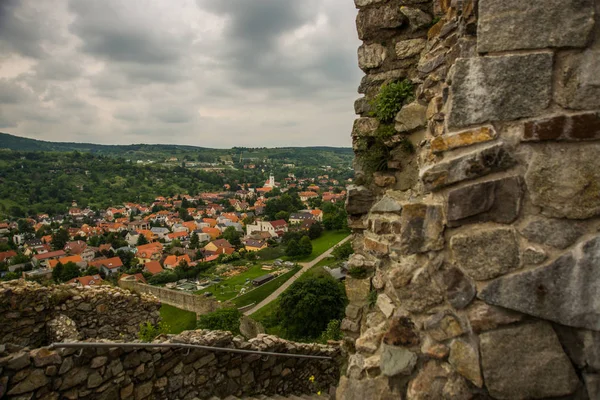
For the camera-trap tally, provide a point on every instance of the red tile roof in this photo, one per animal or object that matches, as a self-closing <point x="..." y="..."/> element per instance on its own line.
<point x="110" y="263"/>
<point x="89" y="280"/>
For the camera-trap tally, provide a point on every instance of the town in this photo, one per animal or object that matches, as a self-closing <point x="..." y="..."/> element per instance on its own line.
<point x="195" y="243"/>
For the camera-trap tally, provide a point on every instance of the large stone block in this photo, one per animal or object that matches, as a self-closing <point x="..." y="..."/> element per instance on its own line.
<point x="463" y="139"/>
<point x="409" y="48"/>
<point x="357" y="290"/>
<point x="464" y="357"/>
<point x="564" y="127"/>
<point x="397" y="360"/>
<point x="533" y="24"/>
<point x="459" y="289"/>
<point x="413" y="285"/>
<point x="359" y="200"/>
<point x="497" y="201"/>
<point x="438" y="381"/>
<point x="371" y="56"/>
<point x="486" y="254"/>
<point x="379" y="21"/>
<point x="376" y="388"/>
<point x="484" y="317"/>
<point x="565" y="180"/>
<point x="566" y="291"/>
<point x="468" y="166"/>
<point x="559" y="233"/>
<point x="421" y="229"/>
<point x="411" y="117"/>
<point x="365" y="126"/>
<point x="526" y="362"/>
<point x="500" y="88"/>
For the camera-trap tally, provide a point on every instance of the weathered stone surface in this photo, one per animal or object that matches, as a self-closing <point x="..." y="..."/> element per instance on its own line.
<point x="463" y="139"/>
<point x="417" y="19"/>
<point x="357" y="290"/>
<point x="498" y="200"/>
<point x="468" y="166"/>
<point x="581" y="345"/>
<point x="376" y="388"/>
<point x="42" y="357"/>
<point x="401" y="333"/>
<point x="375" y="247"/>
<point x="383" y="179"/>
<point x="365" y="126"/>
<point x="409" y="48"/>
<point x="397" y="361"/>
<point x="35" y="380"/>
<point x="500" y="88"/>
<point x="434" y="349"/>
<point x="413" y="284"/>
<point x="378" y="21"/>
<point x="364" y="3"/>
<point x="437" y="381"/>
<point x="525" y="362"/>
<point x="385" y="304"/>
<point x="250" y="328"/>
<point x="362" y="106"/>
<point x="349" y="325"/>
<point x="566" y="291"/>
<point x="359" y="200"/>
<point x="487" y="253"/>
<point x="592" y="384"/>
<point x="559" y="233"/>
<point x="371" y="56"/>
<point x="532" y="255"/>
<point x="411" y="117"/>
<point x="464" y="357"/>
<point x="579" y="78"/>
<point x="459" y="289"/>
<point x="443" y="326"/>
<point x="484" y="317"/>
<point x="369" y="341"/>
<point x="515" y="24"/>
<point x="387" y="205"/>
<point x="421" y="228"/>
<point x="567" y="186"/>
<point x="564" y="128"/>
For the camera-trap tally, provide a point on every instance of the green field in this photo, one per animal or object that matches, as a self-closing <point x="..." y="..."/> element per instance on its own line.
<point x="323" y="243"/>
<point x="229" y="288"/>
<point x="262" y="292"/>
<point x="326" y="262"/>
<point x="267" y="317"/>
<point x="176" y="319"/>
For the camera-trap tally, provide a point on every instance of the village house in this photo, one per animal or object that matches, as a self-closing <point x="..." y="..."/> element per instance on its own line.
<point x="43" y="259"/>
<point x="173" y="261"/>
<point x="153" y="267"/>
<point x="220" y="246"/>
<point x="181" y="236"/>
<point x="76" y="259"/>
<point x="135" y="277"/>
<point x="305" y="196"/>
<point x="274" y="228"/>
<point x="299" y="217"/>
<point x="255" y="245"/>
<point x="89" y="280"/>
<point x="108" y="265"/>
<point x="160" y="232"/>
<point x="149" y="252"/>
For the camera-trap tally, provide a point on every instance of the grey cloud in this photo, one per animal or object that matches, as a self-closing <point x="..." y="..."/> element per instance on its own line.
<point x="12" y="93"/>
<point x="57" y="69"/>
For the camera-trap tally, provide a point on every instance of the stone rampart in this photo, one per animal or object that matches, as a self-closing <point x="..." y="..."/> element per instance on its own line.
<point x="186" y="301"/>
<point x="476" y="208"/>
<point x="34" y="315"/>
<point x="168" y="373"/>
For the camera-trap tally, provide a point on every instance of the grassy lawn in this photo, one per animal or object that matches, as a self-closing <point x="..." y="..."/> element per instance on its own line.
<point x="262" y="292"/>
<point x="266" y="316"/>
<point x="176" y="319"/>
<point x="229" y="288"/>
<point x="326" y="262"/>
<point x="314" y="272"/>
<point x="323" y="243"/>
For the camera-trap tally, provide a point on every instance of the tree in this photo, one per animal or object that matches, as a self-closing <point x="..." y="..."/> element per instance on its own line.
<point x="141" y="240"/>
<point x="70" y="271"/>
<point x="60" y="239"/>
<point x="225" y="319"/>
<point x="315" y="230"/>
<point x="343" y="251"/>
<point x="232" y="236"/>
<point x="57" y="272"/>
<point x="308" y="305"/>
<point x="283" y="215"/>
<point x="293" y="249"/>
<point x="305" y="246"/>
<point x="194" y="241"/>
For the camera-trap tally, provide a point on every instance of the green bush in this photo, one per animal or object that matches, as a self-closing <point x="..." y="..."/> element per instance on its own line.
<point x="148" y="332"/>
<point x="225" y="319"/>
<point x="333" y="331"/>
<point x="358" y="272"/>
<point x="390" y="99"/>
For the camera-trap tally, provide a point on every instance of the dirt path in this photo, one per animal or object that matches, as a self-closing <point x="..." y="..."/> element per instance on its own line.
<point x="305" y="267"/>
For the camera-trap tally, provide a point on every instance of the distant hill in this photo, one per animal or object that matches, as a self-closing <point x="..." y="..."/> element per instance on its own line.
<point x="319" y="155"/>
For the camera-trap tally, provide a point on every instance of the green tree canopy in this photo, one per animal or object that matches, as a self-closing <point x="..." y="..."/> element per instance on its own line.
<point x="305" y="246"/>
<point x="60" y="239"/>
<point x="308" y="305"/>
<point x="225" y="319"/>
<point x="232" y="236"/>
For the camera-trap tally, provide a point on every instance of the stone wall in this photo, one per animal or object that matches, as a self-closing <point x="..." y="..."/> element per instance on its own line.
<point x="185" y="301"/>
<point x="167" y="373"/>
<point x="478" y="226"/>
<point x="34" y="315"/>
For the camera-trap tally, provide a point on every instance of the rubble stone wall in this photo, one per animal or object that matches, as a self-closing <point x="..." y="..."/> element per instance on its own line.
<point x="167" y="373"/>
<point x="34" y="315"/>
<point x="185" y="301"/>
<point x="476" y="210"/>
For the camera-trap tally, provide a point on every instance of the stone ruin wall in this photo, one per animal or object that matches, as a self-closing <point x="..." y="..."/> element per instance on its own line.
<point x="167" y="373"/>
<point x="481" y="247"/>
<point x="34" y="315"/>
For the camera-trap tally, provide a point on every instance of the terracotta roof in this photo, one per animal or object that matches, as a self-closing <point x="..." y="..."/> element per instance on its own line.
<point x="110" y="263"/>
<point x="153" y="267"/>
<point x="7" y="254"/>
<point x="89" y="280"/>
<point x="138" y="277"/>
<point x="279" y="223"/>
<point x="221" y="243"/>
<point x="51" y="254"/>
<point x="173" y="261"/>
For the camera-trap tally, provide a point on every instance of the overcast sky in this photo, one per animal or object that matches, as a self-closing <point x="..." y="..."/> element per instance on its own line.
<point x="213" y="73"/>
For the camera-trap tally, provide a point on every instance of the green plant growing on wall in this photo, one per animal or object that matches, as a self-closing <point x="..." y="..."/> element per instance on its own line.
<point x="372" y="298"/>
<point x="358" y="272"/>
<point x="390" y="99"/>
<point x="148" y="331"/>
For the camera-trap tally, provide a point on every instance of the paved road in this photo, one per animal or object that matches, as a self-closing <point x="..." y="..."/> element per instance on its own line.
<point x="305" y="267"/>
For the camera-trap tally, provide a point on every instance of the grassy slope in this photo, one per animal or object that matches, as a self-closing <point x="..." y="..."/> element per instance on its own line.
<point x="229" y="285"/>
<point x="262" y="292"/>
<point x="176" y="319"/>
<point x="323" y="243"/>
